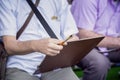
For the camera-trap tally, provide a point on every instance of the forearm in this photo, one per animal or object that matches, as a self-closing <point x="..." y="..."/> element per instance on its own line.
<point x="109" y="42"/>
<point x="46" y="46"/>
<point x="15" y="47"/>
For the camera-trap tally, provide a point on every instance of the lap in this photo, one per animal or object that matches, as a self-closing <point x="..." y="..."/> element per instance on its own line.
<point x="17" y="74"/>
<point x="62" y="74"/>
<point x="94" y="58"/>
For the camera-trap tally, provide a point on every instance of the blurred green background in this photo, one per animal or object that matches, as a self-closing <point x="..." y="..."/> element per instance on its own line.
<point x="113" y="73"/>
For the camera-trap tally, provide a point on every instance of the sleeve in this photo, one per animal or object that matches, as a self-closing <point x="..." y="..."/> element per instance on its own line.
<point x="68" y="24"/>
<point x="85" y="13"/>
<point x="7" y="18"/>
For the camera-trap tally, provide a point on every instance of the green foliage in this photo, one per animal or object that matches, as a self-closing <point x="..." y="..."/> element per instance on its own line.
<point x="112" y="74"/>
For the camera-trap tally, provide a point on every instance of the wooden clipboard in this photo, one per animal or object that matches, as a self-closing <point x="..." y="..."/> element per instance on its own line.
<point x="70" y="55"/>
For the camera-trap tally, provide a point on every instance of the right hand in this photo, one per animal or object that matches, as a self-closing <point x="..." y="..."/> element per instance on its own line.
<point x="48" y="46"/>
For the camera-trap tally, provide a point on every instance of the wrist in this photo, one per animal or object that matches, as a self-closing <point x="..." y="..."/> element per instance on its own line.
<point x="32" y="45"/>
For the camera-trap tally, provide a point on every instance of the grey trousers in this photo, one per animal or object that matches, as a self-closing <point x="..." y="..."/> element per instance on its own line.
<point x="95" y="66"/>
<point x="114" y="56"/>
<point x="63" y="74"/>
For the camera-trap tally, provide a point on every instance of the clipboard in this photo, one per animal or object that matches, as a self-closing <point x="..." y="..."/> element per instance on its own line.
<point x="70" y="55"/>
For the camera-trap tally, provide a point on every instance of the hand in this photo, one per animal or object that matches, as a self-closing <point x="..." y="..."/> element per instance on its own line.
<point x="47" y="46"/>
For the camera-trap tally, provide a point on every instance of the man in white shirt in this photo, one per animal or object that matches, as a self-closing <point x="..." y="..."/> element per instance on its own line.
<point x="34" y="44"/>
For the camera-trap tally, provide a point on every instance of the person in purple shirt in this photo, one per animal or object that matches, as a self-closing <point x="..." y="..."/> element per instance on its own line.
<point x="98" y="18"/>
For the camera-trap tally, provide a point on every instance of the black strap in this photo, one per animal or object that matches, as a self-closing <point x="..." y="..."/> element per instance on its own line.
<point x="42" y="20"/>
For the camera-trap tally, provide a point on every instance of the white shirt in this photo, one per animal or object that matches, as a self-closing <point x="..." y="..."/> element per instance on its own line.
<point x="14" y="13"/>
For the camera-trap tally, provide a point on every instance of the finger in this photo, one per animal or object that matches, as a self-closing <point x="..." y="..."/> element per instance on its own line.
<point x="56" y="41"/>
<point x="55" y="47"/>
<point x="52" y="52"/>
<point x="65" y="44"/>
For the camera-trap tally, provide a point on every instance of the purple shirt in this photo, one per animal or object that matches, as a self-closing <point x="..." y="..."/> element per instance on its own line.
<point x="101" y="16"/>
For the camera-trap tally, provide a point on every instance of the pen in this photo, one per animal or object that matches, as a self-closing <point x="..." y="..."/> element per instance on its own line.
<point x="62" y="43"/>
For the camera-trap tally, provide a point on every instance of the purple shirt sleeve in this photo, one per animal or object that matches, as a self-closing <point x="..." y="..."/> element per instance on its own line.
<point x="85" y="13"/>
